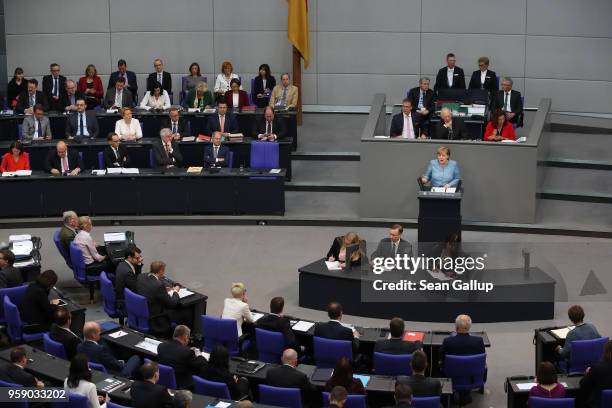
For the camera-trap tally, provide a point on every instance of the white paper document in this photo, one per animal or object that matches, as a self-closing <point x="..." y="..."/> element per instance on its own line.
<point x="333" y="265"/>
<point x="188" y="138"/>
<point x="525" y="386"/>
<point x="23" y="264"/>
<point x="562" y="332"/>
<point x="149" y="345"/>
<point x="21" y="237"/>
<point x="257" y="316"/>
<point x="191" y="110"/>
<point x="222" y="404"/>
<point x="114" y="237"/>
<point x="22" y="248"/>
<point x="99" y="172"/>
<point x="303" y="326"/>
<point x="114" y="170"/>
<point x="117" y="334"/>
<point x="129" y="170"/>
<point x="275" y="171"/>
<point x="20" y="173"/>
<point x="9" y="174"/>
<point x="184" y="293"/>
<point x="443" y="190"/>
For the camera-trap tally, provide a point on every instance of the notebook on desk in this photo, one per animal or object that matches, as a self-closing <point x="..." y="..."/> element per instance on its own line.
<point x="561" y="333"/>
<point x="322" y="374"/>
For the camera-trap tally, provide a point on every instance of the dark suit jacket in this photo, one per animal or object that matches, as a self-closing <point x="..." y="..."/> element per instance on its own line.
<point x="100" y="353"/>
<point x="67" y="101"/>
<point x="10" y="277"/>
<point x="288" y="377"/>
<point x="231" y="124"/>
<point x="124" y="278"/>
<point x="182" y="359"/>
<point x="70" y="340"/>
<point x="278" y="127"/>
<point x="334" y="250"/>
<point x="66" y="237"/>
<point x="209" y="156"/>
<point x="131" y="78"/>
<point x="421" y="386"/>
<point x="24" y="101"/>
<point x="9" y="372"/>
<point x="397" y="346"/>
<point x="127" y="98"/>
<point x="145" y="394"/>
<point x="39" y="310"/>
<point x="397" y="124"/>
<point x="516" y="104"/>
<point x="72" y="124"/>
<point x="243" y="99"/>
<point x="158" y="300"/>
<point x="490" y="82"/>
<point x="282" y="325"/>
<point x="335" y="331"/>
<point x="223" y="376"/>
<point x="597" y="379"/>
<point x="460" y="131"/>
<point x="259" y="89"/>
<point x="384" y="249"/>
<point x="161" y="159"/>
<point x="183" y="126"/>
<point x="166" y="79"/>
<point x="442" y="79"/>
<point x="54" y="162"/>
<point x="110" y="159"/>
<point x="461" y="344"/>
<point x="428" y="100"/>
<point x="47" y="86"/>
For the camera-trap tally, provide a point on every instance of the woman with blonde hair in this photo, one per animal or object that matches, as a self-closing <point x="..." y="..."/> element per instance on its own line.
<point x="224" y="79"/>
<point x="237" y="307"/>
<point x="337" y="251"/>
<point x="128" y="128"/>
<point x="199" y="97"/>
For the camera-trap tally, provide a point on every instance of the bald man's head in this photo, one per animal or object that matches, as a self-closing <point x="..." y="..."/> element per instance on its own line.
<point x="91" y="331"/>
<point x="290" y="357"/>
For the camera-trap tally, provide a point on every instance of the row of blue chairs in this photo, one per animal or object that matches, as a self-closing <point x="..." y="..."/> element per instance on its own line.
<point x="75" y="261"/>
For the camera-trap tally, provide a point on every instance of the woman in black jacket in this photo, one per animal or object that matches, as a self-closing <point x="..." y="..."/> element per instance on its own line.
<point x="36" y="309"/>
<point x="218" y="370"/>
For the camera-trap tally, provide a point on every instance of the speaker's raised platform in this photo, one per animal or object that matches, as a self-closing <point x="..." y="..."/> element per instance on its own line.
<point x="513" y="296"/>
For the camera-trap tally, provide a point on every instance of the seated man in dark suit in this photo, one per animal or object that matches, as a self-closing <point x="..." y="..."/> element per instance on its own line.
<point x="99" y="352"/>
<point x="70" y="96"/>
<point x="115" y="154"/>
<point x="597" y="378"/>
<point x="166" y="151"/>
<point x="147" y="393"/>
<point x="177" y="125"/>
<point x="421" y="386"/>
<point x="30" y="98"/>
<point x="223" y="121"/>
<point x="129" y="76"/>
<point x="403" y="396"/>
<point x="54" y="86"/>
<point x="127" y="273"/>
<point x="423" y="99"/>
<point x="450" y="128"/>
<point x="62" y="161"/>
<point x="407" y="124"/>
<point x="14" y="371"/>
<point x="60" y="332"/>
<point x="36" y="126"/>
<point x="177" y="354"/>
<point x="9" y="275"/>
<point x="216" y="154"/>
<point x="510" y="102"/>
<point x="268" y="127"/>
<point x="119" y="96"/>
<point x="69" y="229"/>
<point x="394" y="245"/>
<point x="337" y="397"/>
<point x="275" y="321"/>
<point x="164" y="302"/>
<point x="82" y="124"/>
<point x="334" y="329"/>
<point x="287" y="376"/>
<point x="451" y="76"/>
<point x="396" y="344"/>
<point x="161" y="76"/>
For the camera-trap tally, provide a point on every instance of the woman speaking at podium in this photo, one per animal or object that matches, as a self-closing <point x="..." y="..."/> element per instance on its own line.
<point x="442" y="172"/>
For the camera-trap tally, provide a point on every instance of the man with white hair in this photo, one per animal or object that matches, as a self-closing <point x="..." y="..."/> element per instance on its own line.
<point x="287" y="376"/>
<point x="509" y="101"/>
<point x="166" y="150"/>
<point x="69" y="228"/>
<point x="450" y="128"/>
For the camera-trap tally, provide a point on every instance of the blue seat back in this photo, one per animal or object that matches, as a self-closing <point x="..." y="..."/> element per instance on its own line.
<point x="97" y="366"/>
<point x="61" y="249"/>
<point x="137" y="311"/>
<point x="55" y="348"/>
<point x="108" y="296"/>
<point x="280" y="397"/>
<point x="167" y="376"/>
<point x="78" y="263"/>
<point x="426" y="402"/>
<point x="220" y="332"/>
<point x="111" y="404"/>
<point x="74" y="401"/>
<point x="327" y="352"/>
<point x="230" y="159"/>
<point x="270" y="345"/>
<point x="14" y="404"/>
<point x="151" y="159"/>
<point x="606" y="398"/>
<point x="210" y="388"/>
<point x="352" y="400"/>
<point x="13" y="319"/>
<point x="467" y="372"/>
<point x="101" y="160"/>
<point x="586" y="352"/>
<point x="20" y="131"/>
<point x="392" y="364"/>
<point x="537" y="402"/>
<point x="16" y="295"/>
<point x="264" y="155"/>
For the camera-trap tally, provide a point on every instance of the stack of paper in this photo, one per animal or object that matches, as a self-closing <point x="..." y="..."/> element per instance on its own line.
<point x="303" y="326"/>
<point x="333" y="265"/>
<point x="22" y="248"/>
<point x="149" y="345"/>
<point x="188" y="138"/>
<point x="114" y="236"/>
<point x="117" y="334"/>
<point x="184" y="293"/>
<point x="101" y="172"/>
<point x="257" y="316"/>
<point x="23" y="173"/>
<point x="20" y="237"/>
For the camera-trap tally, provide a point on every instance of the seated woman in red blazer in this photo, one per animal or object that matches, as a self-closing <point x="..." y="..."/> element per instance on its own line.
<point x="236" y="98"/>
<point x="91" y="86"/>
<point x="499" y="128"/>
<point x="15" y="159"/>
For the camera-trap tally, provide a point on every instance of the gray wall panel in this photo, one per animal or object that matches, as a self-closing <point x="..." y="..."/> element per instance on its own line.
<point x="67" y="16"/>
<point x="569" y="58"/>
<point x="564" y="94"/>
<point x="357" y="89"/>
<point x="247" y="50"/>
<point x="506" y="52"/>
<point x="34" y="53"/>
<point x="367" y="15"/>
<point x="138" y="15"/>
<point x="362" y="53"/>
<point x="247" y="15"/>
<point x="569" y="18"/>
<point x="474" y="16"/>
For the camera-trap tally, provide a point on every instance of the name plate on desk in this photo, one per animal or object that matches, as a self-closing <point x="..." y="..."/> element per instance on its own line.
<point x="443" y="190"/>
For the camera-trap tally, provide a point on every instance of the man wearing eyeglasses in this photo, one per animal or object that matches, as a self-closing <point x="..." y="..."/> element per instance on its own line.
<point x="53" y="88"/>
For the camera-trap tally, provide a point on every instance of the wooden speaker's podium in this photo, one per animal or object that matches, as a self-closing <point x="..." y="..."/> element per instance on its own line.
<point x="439" y="215"/>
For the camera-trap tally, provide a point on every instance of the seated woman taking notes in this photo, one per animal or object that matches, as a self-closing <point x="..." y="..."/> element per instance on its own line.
<point x="442" y="172"/>
<point x="15" y="159"/>
<point x="337" y="251"/>
<point x="499" y="128"/>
